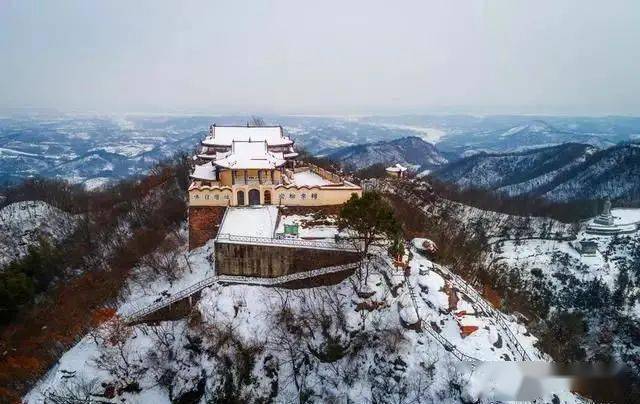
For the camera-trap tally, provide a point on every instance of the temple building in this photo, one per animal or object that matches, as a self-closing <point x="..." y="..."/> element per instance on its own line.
<point x="239" y="166"/>
<point x="396" y="171"/>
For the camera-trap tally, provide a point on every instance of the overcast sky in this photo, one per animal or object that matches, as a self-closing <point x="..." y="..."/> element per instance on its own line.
<point x="322" y="57"/>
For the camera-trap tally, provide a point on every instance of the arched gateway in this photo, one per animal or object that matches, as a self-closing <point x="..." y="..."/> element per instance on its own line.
<point x="254" y="197"/>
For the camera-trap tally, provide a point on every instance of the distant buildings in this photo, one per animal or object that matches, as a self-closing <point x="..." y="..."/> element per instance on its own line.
<point x="396" y="171"/>
<point x="587" y="248"/>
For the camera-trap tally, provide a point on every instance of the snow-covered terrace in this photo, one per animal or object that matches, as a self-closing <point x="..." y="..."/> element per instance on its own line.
<point x="252" y="221"/>
<point x="622" y="216"/>
<point x="309" y="178"/>
<point x="308" y="227"/>
<point x="262" y="225"/>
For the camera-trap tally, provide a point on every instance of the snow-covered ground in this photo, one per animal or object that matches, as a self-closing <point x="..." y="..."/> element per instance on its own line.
<point x="500" y="225"/>
<point x="309" y="178"/>
<point x="194" y="266"/>
<point x="624" y="216"/>
<point x="436" y="297"/>
<point x="307" y="228"/>
<point x="557" y="261"/>
<point x="343" y="347"/>
<point x="254" y="221"/>
<point x="128" y="150"/>
<point x="544" y="255"/>
<point x="23" y="223"/>
<point x="96" y="183"/>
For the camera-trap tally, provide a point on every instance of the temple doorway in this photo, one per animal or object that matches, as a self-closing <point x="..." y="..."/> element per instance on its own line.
<point x="267" y="197"/>
<point x="254" y="197"/>
<point x="240" y="198"/>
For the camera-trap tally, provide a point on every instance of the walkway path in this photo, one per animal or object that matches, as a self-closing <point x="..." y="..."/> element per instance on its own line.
<point x="138" y="315"/>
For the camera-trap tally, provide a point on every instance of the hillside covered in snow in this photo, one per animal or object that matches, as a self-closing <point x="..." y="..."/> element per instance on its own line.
<point x="251" y="343"/>
<point x="599" y="288"/>
<point x="558" y="173"/>
<point x="409" y="151"/>
<point x="24" y="224"/>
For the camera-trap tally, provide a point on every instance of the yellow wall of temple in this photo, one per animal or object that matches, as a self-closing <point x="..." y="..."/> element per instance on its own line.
<point x="292" y="196"/>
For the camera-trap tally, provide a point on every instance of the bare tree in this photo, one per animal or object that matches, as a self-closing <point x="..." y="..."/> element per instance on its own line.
<point x="74" y="391"/>
<point x="286" y="338"/>
<point x="255" y="121"/>
<point x="117" y="357"/>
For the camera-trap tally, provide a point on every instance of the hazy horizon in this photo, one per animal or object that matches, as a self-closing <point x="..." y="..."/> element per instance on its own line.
<point x="575" y="58"/>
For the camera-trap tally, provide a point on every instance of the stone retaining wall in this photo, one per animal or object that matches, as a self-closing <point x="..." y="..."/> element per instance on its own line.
<point x="272" y="261"/>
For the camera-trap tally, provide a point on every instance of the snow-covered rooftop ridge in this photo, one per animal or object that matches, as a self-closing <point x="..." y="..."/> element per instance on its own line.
<point x="397" y="168"/>
<point x="250" y="148"/>
<point x="250" y="155"/>
<point x="252" y="221"/>
<point x="204" y="172"/>
<point x="226" y="135"/>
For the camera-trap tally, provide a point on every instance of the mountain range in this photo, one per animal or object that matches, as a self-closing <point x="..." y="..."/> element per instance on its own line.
<point x="534" y="134"/>
<point x="565" y="172"/>
<point x="93" y="150"/>
<point x="409" y="151"/>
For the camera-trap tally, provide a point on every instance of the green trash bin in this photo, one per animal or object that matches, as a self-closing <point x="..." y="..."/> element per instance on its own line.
<point x="291" y="230"/>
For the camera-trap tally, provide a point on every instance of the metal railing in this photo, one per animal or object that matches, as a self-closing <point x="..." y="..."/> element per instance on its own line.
<point x="182" y="294"/>
<point x="315" y="244"/>
<point x="196" y="287"/>
<point x="250" y="280"/>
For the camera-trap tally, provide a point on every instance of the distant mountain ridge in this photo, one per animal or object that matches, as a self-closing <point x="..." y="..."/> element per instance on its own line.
<point x="411" y="151"/>
<point x="566" y="172"/>
<point x="534" y="134"/>
<point x="93" y="150"/>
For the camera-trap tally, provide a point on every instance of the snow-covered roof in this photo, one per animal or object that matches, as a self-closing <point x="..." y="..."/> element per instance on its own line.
<point x="226" y="135"/>
<point x="250" y="155"/>
<point x="396" y="169"/>
<point x="204" y="171"/>
<point x="252" y="221"/>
